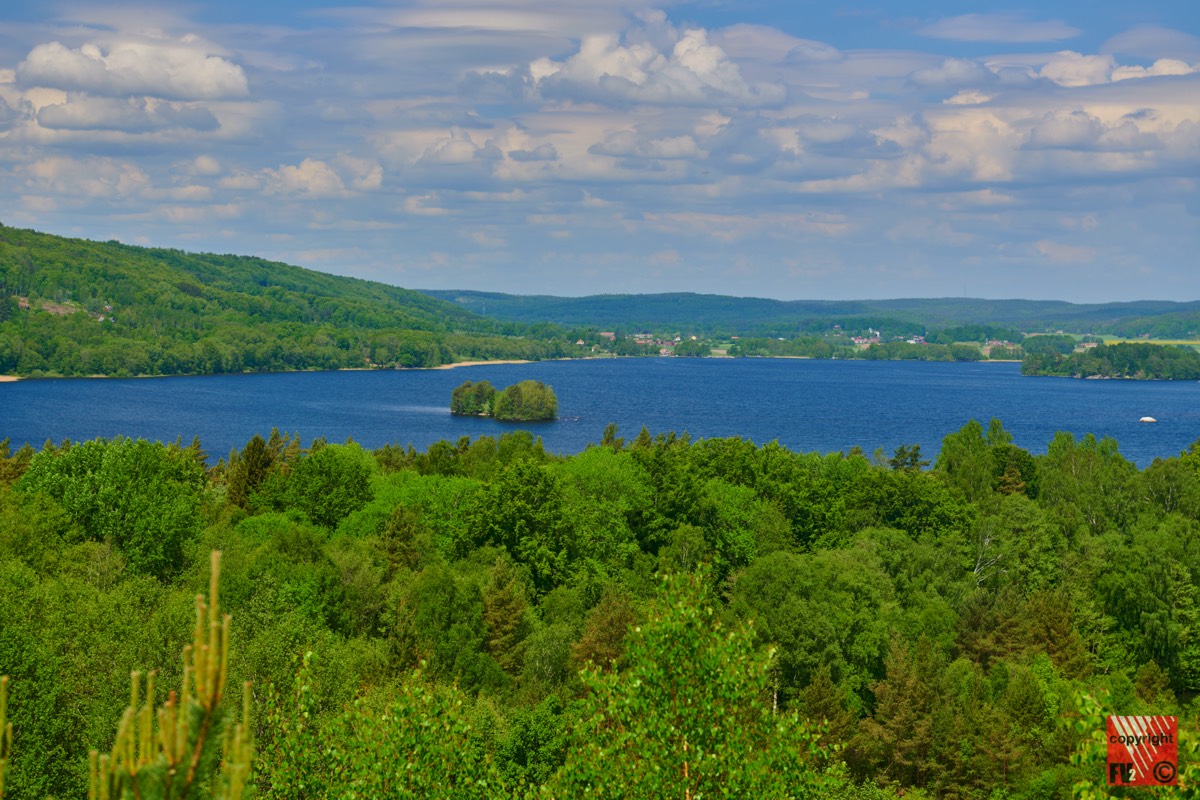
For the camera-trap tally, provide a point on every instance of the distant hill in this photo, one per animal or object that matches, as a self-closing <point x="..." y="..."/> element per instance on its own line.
<point x="708" y="313"/>
<point x="77" y="307"/>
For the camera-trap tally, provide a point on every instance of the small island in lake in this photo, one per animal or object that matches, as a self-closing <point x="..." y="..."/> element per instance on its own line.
<point x="1129" y="360"/>
<point x="527" y="401"/>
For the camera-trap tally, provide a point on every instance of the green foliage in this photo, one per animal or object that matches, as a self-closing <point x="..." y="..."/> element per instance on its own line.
<point x="931" y="625"/>
<point x="414" y="742"/>
<point x="185" y="748"/>
<point x="114" y="309"/>
<point x="691" y="715"/>
<point x="473" y="399"/>
<point x="527" y="401"/>
<point x="141" y="497"/>
<point x="1123" y="360"/>
<point x="693" y="348"/>
<point x="326" y="485"/>
<point x="5" y="732"/>
<point x="1049" y="344"/>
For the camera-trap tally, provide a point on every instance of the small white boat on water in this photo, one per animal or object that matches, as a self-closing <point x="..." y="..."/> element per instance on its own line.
<point x="1147" y="419"/>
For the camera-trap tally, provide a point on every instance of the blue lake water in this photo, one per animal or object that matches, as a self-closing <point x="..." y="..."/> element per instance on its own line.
<point x="821" y="406"/>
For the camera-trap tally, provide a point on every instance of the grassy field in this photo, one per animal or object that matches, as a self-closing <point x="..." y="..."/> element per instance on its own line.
<point x="1193" y="343"/>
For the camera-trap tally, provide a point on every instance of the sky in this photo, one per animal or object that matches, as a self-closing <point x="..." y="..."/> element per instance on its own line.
<point x="796" y="150"/>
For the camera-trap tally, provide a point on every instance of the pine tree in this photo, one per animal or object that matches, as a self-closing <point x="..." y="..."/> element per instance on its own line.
<point x="504" y="610"/>
<point x="186" y="748"/>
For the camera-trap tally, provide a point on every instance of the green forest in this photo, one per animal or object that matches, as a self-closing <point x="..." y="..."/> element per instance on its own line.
<point x="653" y="617"/>
<point x="719" y="315"/>
<point x="75" y="307"/>
<point x="1121" y="360"/>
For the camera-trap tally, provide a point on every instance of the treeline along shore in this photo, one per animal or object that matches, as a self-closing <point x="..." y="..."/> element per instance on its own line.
<point x="70" y="307"/>
<point x="652" y="617"/>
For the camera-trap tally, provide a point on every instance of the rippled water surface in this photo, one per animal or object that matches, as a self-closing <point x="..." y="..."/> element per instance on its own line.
<point x="807" y="405"/>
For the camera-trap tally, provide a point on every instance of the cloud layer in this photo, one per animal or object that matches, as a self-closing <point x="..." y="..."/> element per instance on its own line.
<point x="583" y="147"/>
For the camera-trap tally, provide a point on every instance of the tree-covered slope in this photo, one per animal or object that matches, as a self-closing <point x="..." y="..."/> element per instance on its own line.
<point x="76" y="307"/>
<point x="708" y="313"/>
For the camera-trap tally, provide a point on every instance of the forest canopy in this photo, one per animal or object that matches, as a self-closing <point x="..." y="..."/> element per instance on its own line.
<point x="527" y="401"/>
<point x="484" y="618"/>
<point x="1139" y="361"/>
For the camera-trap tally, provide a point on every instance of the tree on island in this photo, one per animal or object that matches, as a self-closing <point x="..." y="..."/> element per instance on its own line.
<point x="526" y="401"/>
<point x="473" y="399"/>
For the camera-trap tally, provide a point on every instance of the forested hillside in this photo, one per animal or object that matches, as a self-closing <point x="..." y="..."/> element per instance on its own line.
<point x="757" y="316"/>
<point x="654" y="617"/>
<point x="75" y="307"/>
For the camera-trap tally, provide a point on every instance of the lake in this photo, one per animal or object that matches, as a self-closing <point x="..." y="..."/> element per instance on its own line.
<point x="807" y="405"/>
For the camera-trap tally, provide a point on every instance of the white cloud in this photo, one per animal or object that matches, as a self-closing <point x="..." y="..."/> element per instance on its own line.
<point x="311" y="179"/>
<point x="1164" y="66"/>
<point x="457" y="148"/>
<point x="86" y="177"/>
<point x="178" y="70"/>
<point x="628" y="144"/>
<point x="545" y="151"/>
<point x="688" y="69"/>
<point x="205" y="166"/>
<point x="1154" y="42"/>
<point x="423" y="205"/>
<point x="998" y="27"/>
<point x="968" y="97"/>
<point x="953" y="72"/>
<point x="129" y="115"/>
<point x="1068" y="68"/>
<point x="365" y="174"/>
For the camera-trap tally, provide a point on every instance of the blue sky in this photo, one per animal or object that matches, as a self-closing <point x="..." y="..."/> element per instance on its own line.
<point x="791" y="150"/>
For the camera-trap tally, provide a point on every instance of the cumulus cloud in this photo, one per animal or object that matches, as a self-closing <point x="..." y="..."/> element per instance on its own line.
<point x="1164" y="66"/>
<point x="1068" y="68"/>
<point x="178" y="70"/>
<point x="86" y="177"/>
<point x="205" y="166"/>
<point x="8" y="115"/>
<point x="681" y="67"/>
<point x="310" y="179"/>
<point x="132" y="115"/>
<point x="545" y="151"/>
<point x="999" y="27"/>
<point x="365" y="174"/>
<point x="458" y="148"/>
<point x="954" y="72"/>
<point x="1079" y="130"/>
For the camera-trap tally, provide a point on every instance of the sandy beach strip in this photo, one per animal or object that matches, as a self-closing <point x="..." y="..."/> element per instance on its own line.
<point x="8" y="378"/>
<point x="480" y="363"/>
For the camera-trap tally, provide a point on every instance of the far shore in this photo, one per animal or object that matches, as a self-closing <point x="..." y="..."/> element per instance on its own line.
<point x="14" y="378"/>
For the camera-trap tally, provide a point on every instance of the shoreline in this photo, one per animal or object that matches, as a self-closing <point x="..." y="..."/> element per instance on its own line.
<point x="457" y="364"/>
<point x="15" y="378"/>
